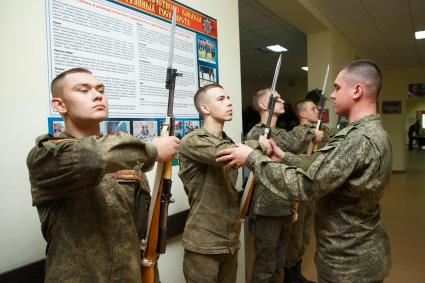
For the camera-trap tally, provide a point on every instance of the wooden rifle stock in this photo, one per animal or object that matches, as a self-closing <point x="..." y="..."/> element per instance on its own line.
<point x="161" y="195"/>
<point x="158" y="211"/>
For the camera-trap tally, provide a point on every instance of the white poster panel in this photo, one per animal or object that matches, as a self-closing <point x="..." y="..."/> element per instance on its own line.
<point x="125" y="49"/>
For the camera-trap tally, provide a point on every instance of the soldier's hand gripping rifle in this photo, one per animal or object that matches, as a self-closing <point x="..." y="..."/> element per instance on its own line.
<point x="156" y="233"/>
<point x="313" y="146"/>
<point x="249" y="187"/>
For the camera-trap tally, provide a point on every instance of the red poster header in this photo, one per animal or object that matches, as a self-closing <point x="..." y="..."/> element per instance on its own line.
<point x="185" y="16"/>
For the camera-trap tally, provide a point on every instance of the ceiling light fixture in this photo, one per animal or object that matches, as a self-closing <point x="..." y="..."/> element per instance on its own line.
<point x="305" y="68"/>
<point x="420" y="34"/>
<point x="276" y="48"/>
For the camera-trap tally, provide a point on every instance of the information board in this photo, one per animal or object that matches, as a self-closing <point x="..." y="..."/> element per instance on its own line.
<point x="125" y="44"/>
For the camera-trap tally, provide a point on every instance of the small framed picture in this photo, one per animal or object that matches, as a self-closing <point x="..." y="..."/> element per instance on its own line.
<point x="325" y="116"/>
<point x="391" y="107"/>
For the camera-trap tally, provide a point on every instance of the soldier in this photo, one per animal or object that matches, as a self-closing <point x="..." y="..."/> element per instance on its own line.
<point x="211" y="236"/>
<point x="347" y="179"/>
<point x="299" y="239"/>
<point x="90" y="190"/>
<point x="272" y="214"/>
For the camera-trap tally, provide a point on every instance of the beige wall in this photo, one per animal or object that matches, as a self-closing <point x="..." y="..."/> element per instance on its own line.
<point x="23" y="110"/>
<point x="325" y="48"/>
<point x="395" y="87"/>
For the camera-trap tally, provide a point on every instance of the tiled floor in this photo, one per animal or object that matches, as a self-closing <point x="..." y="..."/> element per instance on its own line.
<point x="403" y="213"/>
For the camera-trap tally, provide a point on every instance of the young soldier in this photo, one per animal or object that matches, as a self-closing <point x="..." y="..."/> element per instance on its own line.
<point x="210" y="237"/>
<point x="299" y="239"/>
<point x="272" y="214"/>
<point x="90" y="190"/>
<point x="347" y="179"/>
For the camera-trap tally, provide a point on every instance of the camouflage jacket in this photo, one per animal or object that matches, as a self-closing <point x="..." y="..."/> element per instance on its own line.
<point x="327" y="133"/>
<point x="264" y="201"/>
<point x="93" y="213"/>
<point x="347" y="179"/>
<point x="211" y="227"/>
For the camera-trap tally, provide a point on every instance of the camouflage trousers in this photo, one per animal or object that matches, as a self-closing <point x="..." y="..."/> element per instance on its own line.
<point x="300" y="235"/>
<point x="271" y="242"/>
<point x="210" y="268"/>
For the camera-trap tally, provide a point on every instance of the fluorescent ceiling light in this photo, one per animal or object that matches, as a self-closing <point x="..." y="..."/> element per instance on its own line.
<point x="420" y="34"/>
<point x="305" y="68"/>
<point x="276" y="48"/>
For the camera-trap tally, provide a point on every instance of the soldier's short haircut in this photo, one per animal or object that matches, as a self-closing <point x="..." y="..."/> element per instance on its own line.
<point x="366" y="72"/>
<point x="258" y="94"/>
<point x="300" y="106"/>
<point x="200" y="95"/>
<point x="56" y="85"/>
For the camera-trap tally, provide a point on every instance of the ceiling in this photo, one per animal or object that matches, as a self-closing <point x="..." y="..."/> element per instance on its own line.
<point x="382" y="30"/>
<point x="259" y="27"/>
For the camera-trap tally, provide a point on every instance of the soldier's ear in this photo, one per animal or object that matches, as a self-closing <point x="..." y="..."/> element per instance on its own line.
<point x="358" y="90"/>
<point x="205" y="109"/>
<point x="262" y="105"/>
<point x="58" y="105"/>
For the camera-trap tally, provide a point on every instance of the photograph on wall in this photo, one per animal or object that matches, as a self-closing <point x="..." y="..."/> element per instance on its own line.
<point x="391" y="107"/>
<point x="179" y="129"/>
<point x="207" y="75"/>
<point x="58" y="128"/>
<point x="145" y="130"/>
<point x="113" y="127"/>
<point x="416" y="90"/>
<point x="206" y="50"/>
<point x="325" y="116"/>
<point x="190" y="125"/>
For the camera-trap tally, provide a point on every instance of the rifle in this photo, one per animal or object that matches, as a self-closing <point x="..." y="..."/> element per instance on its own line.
<point x="156" y="234"/>
<point x="313" y="146"/>
<point x="249" y="187"/>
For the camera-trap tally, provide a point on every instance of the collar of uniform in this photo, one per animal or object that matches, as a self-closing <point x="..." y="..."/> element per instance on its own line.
<point x="308" y="126"/>
<point x="204" y="132"/>
<point x="355" y="124"/>
<point x="365" y="119"/>
<point x="274" y="130"/>
<point x="65" y="135"/>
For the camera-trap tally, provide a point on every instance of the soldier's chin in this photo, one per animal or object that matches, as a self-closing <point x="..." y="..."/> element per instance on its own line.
<point x="100" y="117"/>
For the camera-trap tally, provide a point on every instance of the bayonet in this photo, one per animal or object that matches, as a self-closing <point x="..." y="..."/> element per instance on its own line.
<point x="322" y="108"/>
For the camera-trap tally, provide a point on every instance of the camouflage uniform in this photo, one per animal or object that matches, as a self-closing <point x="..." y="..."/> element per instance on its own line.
<point x="93" y="213"/>
<point x="301" y="229"/>
<point x="346" y="178"/>
<point x="272" y="214"/>
<point x="211" y="236"/>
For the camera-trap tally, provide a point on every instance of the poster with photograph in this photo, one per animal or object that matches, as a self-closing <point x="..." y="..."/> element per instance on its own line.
<point x="206" y="50"/>
<point x="416" y="90"/>
<point x="207" y="75"/>
<point x="190" y="125"/>
<point x="179" y="129"/>
<point x="391" y="107"/>
<point x="113" y="127"/>
<point x="58" y="128"/>
<point x="325" y="116"/>
<point x="126" y="46"/>
<point x="145" y="130"/>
